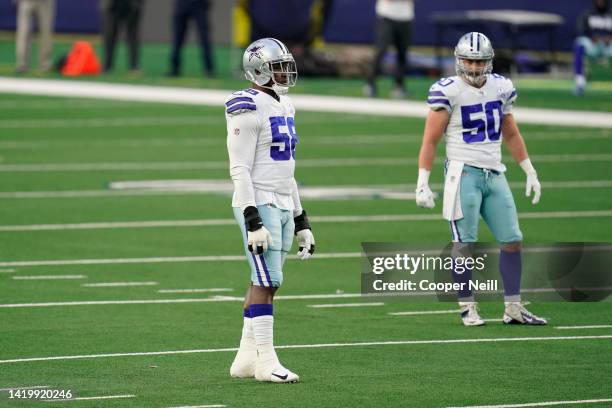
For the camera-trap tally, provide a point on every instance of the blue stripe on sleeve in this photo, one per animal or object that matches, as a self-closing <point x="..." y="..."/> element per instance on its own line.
<point x="436" y="93"/>
<point x="438" y="101"/>
<point x="248" y="106"/>
<point x="239" y="99"/>
<point x="513" y="94"/>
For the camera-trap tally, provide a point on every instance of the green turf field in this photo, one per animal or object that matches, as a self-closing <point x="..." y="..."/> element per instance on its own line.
<point x="57" y="159"/>
<point x="536" y="92"/>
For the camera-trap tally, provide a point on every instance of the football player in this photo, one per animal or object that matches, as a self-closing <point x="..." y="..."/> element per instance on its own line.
<point x="261" y="142"/>
<point x="473" y="111"/>
<point x="594" y="42"/>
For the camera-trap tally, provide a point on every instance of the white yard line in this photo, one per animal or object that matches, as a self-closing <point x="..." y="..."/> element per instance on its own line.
<point x="201" y="406"/>
<point x="424" y="312"/>
<point x="434" y="312"/>
<point x="335" y="305"/>
<point x="147" y="121"/>
<point x="221" y="258"/>
<point x="315" y="140"/>
<point x="539" y="404"/>
<point x="204" y="290"/>
<point x="169" y="259"/>
<point x="103" y="397"/>
<point x="318" y="219"/>
<point x="94" y="193"/>
<point x="116" y="302"/>
<point x="197" y="300"/>
<point x="117" y="284"/>
<point x="49" y="277"/>
<point x="599" y="326"/>
<point x="222" y="165"/>
<point x="175" y="187"/>
<point x="32" y="387"/>
<point x="314" y="346"/>
<point x="316" y="103"/>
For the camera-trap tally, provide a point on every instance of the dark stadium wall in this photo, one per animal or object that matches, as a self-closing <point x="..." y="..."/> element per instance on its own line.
<point x="356" y="24"/>
<point x="352" y="21"/>
<point x="83" y="16"/>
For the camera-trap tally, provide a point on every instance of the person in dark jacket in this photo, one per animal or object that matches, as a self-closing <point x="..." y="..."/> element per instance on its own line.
<point x="117" y="14"/>
<point x="197" y="10"/>
<point x="393" y="26"/>
<point x="594" y="41"/>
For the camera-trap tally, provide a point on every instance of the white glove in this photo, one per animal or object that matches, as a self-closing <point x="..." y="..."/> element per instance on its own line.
<point x="258" y="241"/>
<point x="306" y="244"/>
<point x="424" y="195"/>
<point x="533" y="184"/>
<point x="258" y="236"/>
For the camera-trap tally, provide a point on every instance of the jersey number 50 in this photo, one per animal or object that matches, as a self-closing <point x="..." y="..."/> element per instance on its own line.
<point x="289" y="140"/>
<point x="475" y="128"/>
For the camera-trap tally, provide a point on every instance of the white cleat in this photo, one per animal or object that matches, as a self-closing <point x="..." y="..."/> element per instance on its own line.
<point x="244" y="364"/>
<point x="515" y="313"/>
<point x="469" y="314"/>
<point x="278" y="374"/>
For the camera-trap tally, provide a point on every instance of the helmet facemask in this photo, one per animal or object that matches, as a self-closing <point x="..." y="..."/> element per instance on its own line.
<point x="283" y="74"/>
<point x="474" y="47"/>
<point x="269" y="64"/>
<point x="476" y="77"/>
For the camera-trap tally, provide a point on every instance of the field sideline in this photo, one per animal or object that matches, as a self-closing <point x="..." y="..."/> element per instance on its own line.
<point x="121" y="270"/>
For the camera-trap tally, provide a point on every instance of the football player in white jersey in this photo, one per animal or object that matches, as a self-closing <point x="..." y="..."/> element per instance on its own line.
<point x="473" y="111"/>
<point x="261" y="142"/>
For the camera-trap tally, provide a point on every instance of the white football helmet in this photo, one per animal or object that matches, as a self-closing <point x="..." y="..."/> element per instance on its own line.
<point x="474" y="46"/>
<point x="268" y="60"/>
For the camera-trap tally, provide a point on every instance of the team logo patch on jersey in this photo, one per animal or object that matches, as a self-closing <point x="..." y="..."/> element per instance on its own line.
<point x="236" y="131"/>
<point x="501" y="93"/>
<point x="254" y="51"/>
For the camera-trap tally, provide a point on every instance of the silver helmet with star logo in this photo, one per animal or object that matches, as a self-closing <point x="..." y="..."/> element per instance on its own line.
<point x="268" y="63"/>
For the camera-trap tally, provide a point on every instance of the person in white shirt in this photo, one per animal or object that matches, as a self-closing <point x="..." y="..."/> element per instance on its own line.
<point x="393" y="27"/>
<point x="473" y="111"/>
<point x="44" y="11"/>
<point x="261" y="142"/>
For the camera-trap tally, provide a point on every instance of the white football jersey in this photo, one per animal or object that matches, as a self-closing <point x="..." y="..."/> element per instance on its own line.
<point x="261" y="139"/>
<point x="473" y="134"/>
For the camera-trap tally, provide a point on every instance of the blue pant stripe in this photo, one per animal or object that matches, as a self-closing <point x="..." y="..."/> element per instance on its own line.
<point x="261" y="283"/>
<point x="265" y="268"/>
<point x="253" y="256"/>
<point x="457" y="231"/>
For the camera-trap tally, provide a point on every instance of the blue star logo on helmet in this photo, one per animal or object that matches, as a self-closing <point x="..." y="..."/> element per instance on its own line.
<point x="254" y="51"/>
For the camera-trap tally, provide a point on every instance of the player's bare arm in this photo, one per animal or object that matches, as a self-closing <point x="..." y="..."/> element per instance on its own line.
<point x="435" y="125"/>
<point x="517" y="148"/>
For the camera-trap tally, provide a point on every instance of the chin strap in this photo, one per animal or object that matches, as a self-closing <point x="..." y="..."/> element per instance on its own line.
<point x="280" y="90"/>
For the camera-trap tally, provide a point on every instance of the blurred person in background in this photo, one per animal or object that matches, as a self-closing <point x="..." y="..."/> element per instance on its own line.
<point x="594" y="41"/>
<point x="184" y="10"/>
<point x="117" y="13"/>
<point x="393" y="26"/>
<point x="44" y="10"/>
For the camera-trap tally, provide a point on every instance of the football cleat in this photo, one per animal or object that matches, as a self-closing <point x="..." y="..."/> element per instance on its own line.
<point x="469" y="314"/>
<point x="515" y="313"/>
<point x="399" y="92"/>
<point x="244" y="364"/>
<point x="369" y="90"/>
<point x="268" y="368"/>
<point x="277" y="374"/>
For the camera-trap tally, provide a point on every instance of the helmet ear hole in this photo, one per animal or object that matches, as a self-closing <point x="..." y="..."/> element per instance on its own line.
<point x="257" y="72"/>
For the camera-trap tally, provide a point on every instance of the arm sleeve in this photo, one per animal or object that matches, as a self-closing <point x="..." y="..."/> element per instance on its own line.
<point x="440" y="96"/>
<point x="295" y="196"/>
<point x="242" y="132"/>
<point x="510" y="99"/>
